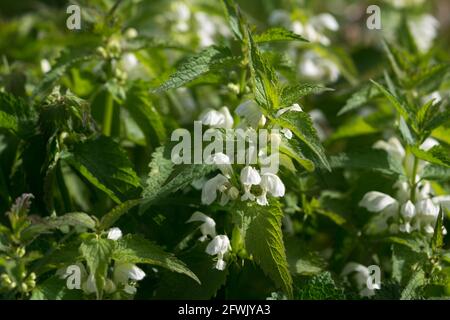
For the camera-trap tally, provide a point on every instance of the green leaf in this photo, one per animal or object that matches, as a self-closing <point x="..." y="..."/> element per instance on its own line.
<point x="72" y="219"/>
<point x="301" y="125"/>
<point x="16" y="116"/>
<point x="177" y="286"/>
<point x="165" y="177"/>
<point x="264" y="240"/>
<point x="414" y="286"/>
<point x="112" y="216"/>
<point x="278" y="34"/>
<point x="438" y="237"/>
<point x="436" y="155"/>
<point x="234" y="18"/>
<point x="264" y="80"/>
<point x="98" y="252"/>
<point x="319" y="287"/>
<point x="149" y="120"/>
<point x="302" y="260"/>
<point x="400" y="106"/>
<point x="195" y="66"/>
<point x="370" y="159"/>
<point x="292" y="149"/>
<point x="136" y="249"/>
<point x="353" y="128"/>
<point x="54" y="288"/>
<point x="435" y="172"/>
<point x="359" y="99"/>
<point x="292" y="94"/>
<point x="105" y="164"/>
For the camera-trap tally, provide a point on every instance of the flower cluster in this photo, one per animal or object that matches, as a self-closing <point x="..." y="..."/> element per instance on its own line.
<point x="410" y="210"/>
<point x="124" y="274"/>
<point x="228" y="184"/>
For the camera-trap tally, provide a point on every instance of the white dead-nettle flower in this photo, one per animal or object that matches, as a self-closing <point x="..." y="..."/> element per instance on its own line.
<point x="251" y="113"/>
<point x="316" y="67"/>
<point x="209" y="192"/>
<point x="124" y="272"/>
<point x="435" y="95"/>
<point x="222" y="161"/>
<point x="270" y="184"/>
<point x="207" y="228"/>
<point x="427" y="213"/>
<point x="219" y="246"/>
<point x="314" y="29"/>
<point x="131" y="33"/>
<point x="182" y="14"/>
<point x="360" y="275"/>
<point x="249" y="176"/>
<point x="424" y="30"/>
<point x="393" y="146"/>
<point x="45" y="66"/>
<point x="375" y="201"/>
<point x="89" y="285"/>
<point x="218" y="118"/>
<point x="114" y="234"/>
<point x="294" y="108"/>
<point x="407" y="211"/>
<point x="129" y="61"/>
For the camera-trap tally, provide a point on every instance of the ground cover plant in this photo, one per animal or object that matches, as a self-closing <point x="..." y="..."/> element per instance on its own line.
<point x="194" y="149"/>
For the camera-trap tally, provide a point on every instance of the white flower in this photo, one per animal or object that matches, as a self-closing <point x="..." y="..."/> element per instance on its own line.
<point x="123" y="272"/>
<point x="219" y="246"/>
<point x="249" y="176"/>
<point x="427" y="213"/>
<point x="428" y="144"/>
<point x="405" y="3"/>
<point x="89" y="285"/>
<point x="114" y="234"/>
<point x="424" y="30"/>
<point x="131" y="33"/>
<point x="210" y="188"/>
<point x="392" y="146"/>
<point x="360" y="275"/>
<point x="408" y="211"/>
<point x="435" y="95"/>
<point x="222" y="161"/>
<point x="45" y="66"/>
<point x="443" y="201"/>
<point x="375" y="201"/>
<point x="294" y="108"/>
<point x="403" y="190"/>
<point x="272" y="184"/>
<point x="129" y="61"/>
<point x="251" y="112"/>
<point x="318" y="68"/>
<point x="207" y="228"/>
<point x="325" y="20"/>
<point x="218" y="118"/>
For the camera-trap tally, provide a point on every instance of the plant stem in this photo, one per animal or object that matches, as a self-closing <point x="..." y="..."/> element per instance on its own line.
<point x="63" y="189"/>
<point x="413" y="180"/>
<point x="108" y="115"/>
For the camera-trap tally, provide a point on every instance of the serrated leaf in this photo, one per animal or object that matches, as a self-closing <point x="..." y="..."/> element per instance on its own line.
<point x="400" y="106"/>
<point x="371" y="159"/>
<point x="72" y="219"/>
<point x="435" y="172"/>
<point x="301" y="125"/>
<point x="233" y="17"/>
<point x="15" y="115"/>
<point x="105" y="164"/>
<point x="292" y="149"/>
<point x="292" y="94"/>
<point x="54" y="288"/>
<point x="98" y="253"/>
<point x="195" y="66"/>
<point x="278" y="34"/>
<point x="319" y="287"/>
<point x="438" y="237"/>
<point x="149" y="120"/>
<point x="436" y="155"/>
<point x="136" y="249"/>
<point x="359" y="99"/>
<point x="412" y="289"/>
<point x="112" y="216"/>
<point x="264" y="240"/>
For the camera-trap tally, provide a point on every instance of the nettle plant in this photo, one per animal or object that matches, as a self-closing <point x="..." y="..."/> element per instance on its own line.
<point x="110" y="192"/>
